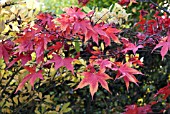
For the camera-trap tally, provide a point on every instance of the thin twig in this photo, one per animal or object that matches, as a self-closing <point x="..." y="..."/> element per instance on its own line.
<point x="101" y="18"/>
<point x="160" y="7"/>
<point x="4" y="89"/>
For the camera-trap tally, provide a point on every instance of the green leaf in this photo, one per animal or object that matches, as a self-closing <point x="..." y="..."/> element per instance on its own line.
<point x="65" y="108"/>
<point x="77" y="46"/>
<point x="86" y="9"/>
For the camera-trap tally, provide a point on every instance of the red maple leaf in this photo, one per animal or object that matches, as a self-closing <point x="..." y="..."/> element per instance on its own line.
<point x="111" y="33"/>
<point x="26" y="43"/>
<point x="131" y="46"/>
<point x="75" y="12"/>
<point x="32" y="76"/>
<point x="46" y="20"/>
<point x="84" y="27"/>
<point x="93" y="79"/>
<point x="6" y="49"/>
<point x="4" y="53"/>
<point x="59" y="62"/>
<point x="127" y="74"/>
<point x="134" y="109"/>
<point x="41" y="45"/>
<point x="23" y="57"/>
<point x="104" y="64"/>
<point x="165" y="44"/>
<point x="56" y="47"/>
<point x="165" y="91"/>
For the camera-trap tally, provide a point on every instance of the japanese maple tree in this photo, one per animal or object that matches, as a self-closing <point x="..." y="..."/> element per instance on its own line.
<point x="98" y="48"/>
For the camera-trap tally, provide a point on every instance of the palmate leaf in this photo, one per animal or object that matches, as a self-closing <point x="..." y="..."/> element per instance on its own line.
<point x="4" y="53"/>
<point x="93" y="79"/>
<point x="127" y="74"/>
<point x="165" y="44"/>
<point x="134" y="109"/>
<point x="131" y="46"/>
<point x="165" y="91"/>
<point x="59" y="62"/>
<point x="32" y="76"/>
<point x="165" y="47"/>
<point x="23" y="57"/>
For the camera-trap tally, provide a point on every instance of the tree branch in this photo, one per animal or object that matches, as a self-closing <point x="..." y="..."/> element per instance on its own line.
<point x="161" y="8"/>
<point x="4" y="89"/>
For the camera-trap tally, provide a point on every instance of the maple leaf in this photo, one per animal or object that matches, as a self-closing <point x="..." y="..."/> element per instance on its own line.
<point x="131" y="109"/>
<point x="165" y="91"/>
<point x="23" y="57"/>
<point x="6" y="49"/>
<point x="165" y="44"/>
<point x="111" y="33"/>
<point x="56" y="47"/>
<point x="127" y="74"/>
<point x="4" y="52"/>
<point x="104" y="64"/>
<point x="75" y="12"/>
<point x="26" y="42"/>
<point x="93" y="34"/>
<point x="84" y="27"/>
<point x="32" y="76"/>
<point x="134" y="109"/>
<point x="46" y="19"/>
<point x="59" y="62"/>
<point x="93" y="79"/>
<point x="131" y="46"/>
<point x="98" y="29"/>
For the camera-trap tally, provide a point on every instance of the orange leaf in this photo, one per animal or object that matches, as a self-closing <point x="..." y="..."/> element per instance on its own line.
<point x="93" y="79"/>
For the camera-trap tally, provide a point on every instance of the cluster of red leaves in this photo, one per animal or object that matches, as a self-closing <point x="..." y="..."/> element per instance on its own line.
<point x="151" y="35"/>
<point x="134" y="109"/>
<point x="49" y="35"/>
<point x="92" y="77"/>
<point x="146" y="109"/>
<point x="151" y="30"/>
<point x="74" y="23"/>
<point x="164" y="91"/>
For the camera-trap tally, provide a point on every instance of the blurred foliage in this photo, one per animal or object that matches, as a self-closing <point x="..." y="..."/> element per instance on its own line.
<point x="15" y="16"/>
<point x="55" y="93"/>
<point x="56" y="6"/>
<point x="102" y="3"/>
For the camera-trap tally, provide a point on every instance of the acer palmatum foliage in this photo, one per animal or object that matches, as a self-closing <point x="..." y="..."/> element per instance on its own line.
<point x="165" y="44"/>
<point x="134" y="109"/>
<point x="165" y="91"/>
<point x="92" y="79"/>
<point x="74" y="36"/>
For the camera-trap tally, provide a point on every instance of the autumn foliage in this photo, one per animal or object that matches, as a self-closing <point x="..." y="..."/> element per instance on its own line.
<point x="76" y="44"/>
